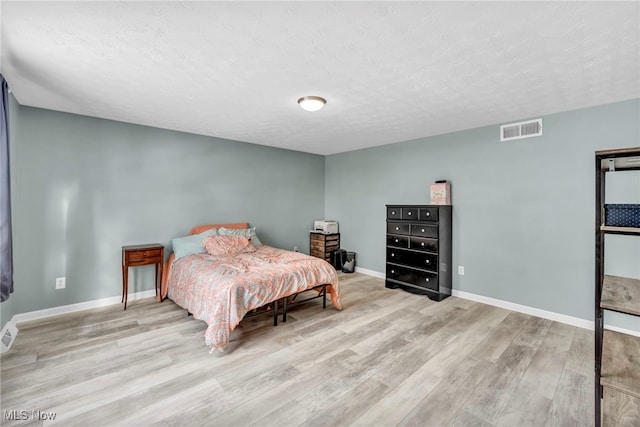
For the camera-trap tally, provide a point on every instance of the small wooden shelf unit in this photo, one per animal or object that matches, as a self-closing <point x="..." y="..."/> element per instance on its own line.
<point x="617" y="355"/>
<point x="323" y="245"/>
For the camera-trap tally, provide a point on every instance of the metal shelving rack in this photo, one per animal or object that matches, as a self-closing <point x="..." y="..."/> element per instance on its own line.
<point x="617" y="355"/>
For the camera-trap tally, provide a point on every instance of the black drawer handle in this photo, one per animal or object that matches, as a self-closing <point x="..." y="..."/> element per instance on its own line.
<point x="397" y="228"/>
<point x="427" y="279"/>
<point x="423" y="230"/>
<point x="428" y="213"/>
<point x="393" y="271"/>
<point x="422" y="243"/>
<point x="392" y="254"/>
<point x="393" y="212"/>
<point x="428" y="262"/>
<point x="409" y="213"/>
<point x="397" y="240"/>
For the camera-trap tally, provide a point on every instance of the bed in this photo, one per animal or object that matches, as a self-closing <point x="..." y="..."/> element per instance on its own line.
<point x="222" y="286"/>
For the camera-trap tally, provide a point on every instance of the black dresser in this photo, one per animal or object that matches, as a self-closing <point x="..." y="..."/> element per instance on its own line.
<point x="419" y="249"/>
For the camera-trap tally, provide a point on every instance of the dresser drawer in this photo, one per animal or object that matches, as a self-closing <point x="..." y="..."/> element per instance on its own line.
<point x="317" y="245"/>
<point x="322" y="238"/>
<point x="398" y="228"/>
<point x="332" y="239"/>
<point x="322" y="249"/>
<point x="423" y="244"/>
<point x="429" y="214"/>
<point x="426" y="279"/>
<point x="423" y="279"/>
<point x="398" y="241"/>
<point x="425" y="260"/>
<point x="146" y="254"/>
<point x="334" y="246"/>
<point x="394" y="213"/>
<point x="423" y="230"/>
<point x="410" y="213"/>
<point x="325" y="256"/>
<point x="144" y="261"/>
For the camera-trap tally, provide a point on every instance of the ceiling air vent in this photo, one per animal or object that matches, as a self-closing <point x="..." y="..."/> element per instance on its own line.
<point x="521" y="130"/>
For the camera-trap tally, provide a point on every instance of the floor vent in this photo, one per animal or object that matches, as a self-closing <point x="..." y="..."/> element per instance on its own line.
<point x="521" y="130"/>
<point x="8" y="336"/>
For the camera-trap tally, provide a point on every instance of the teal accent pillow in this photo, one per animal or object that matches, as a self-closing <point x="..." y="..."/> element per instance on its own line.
<point x="248" y="232"/>
<point x="189" y="245"/>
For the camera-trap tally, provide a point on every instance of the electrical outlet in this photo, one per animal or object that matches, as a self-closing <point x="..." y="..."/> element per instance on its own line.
<point x="295" y="249"/>
<point x="61" y="282"/>
<point x="461" y="270"/>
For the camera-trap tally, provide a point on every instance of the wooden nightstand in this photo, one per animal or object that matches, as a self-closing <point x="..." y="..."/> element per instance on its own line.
<point x="136" y="255"/>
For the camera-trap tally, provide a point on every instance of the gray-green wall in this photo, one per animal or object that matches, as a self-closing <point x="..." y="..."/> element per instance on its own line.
<point x="83" y="187"/>
<point x="523" y="211"/>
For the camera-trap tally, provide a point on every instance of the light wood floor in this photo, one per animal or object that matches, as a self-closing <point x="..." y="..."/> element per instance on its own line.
<point x="390" y="358"/>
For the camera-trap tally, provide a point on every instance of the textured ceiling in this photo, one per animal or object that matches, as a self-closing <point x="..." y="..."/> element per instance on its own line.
<point x="391" y="71"/>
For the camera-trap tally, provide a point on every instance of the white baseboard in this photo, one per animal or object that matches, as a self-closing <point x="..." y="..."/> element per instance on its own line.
<point x="72" y="308"/>
<point x="370" y="272"/>
<point x="622" y="330"/>
<point x="557" y="317"/>
<point x="66" y="309"/>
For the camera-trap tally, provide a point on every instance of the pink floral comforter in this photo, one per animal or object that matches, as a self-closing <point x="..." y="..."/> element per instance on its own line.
<point x="221" y="289"/>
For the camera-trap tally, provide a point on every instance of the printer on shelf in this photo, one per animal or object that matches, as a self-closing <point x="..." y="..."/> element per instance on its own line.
<point x="325" y="226"/>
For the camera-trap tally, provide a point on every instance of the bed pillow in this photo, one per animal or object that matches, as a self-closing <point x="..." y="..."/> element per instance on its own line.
<point x="248" y="232"/>
<point x="227" y="245"/>
<point x="189" y="245"/>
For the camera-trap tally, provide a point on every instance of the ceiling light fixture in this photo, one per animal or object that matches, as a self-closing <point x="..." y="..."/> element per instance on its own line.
<point x="311" y="103"/>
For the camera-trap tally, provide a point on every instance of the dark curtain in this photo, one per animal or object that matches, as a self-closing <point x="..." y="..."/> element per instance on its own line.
<point x="6" y="253"/>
